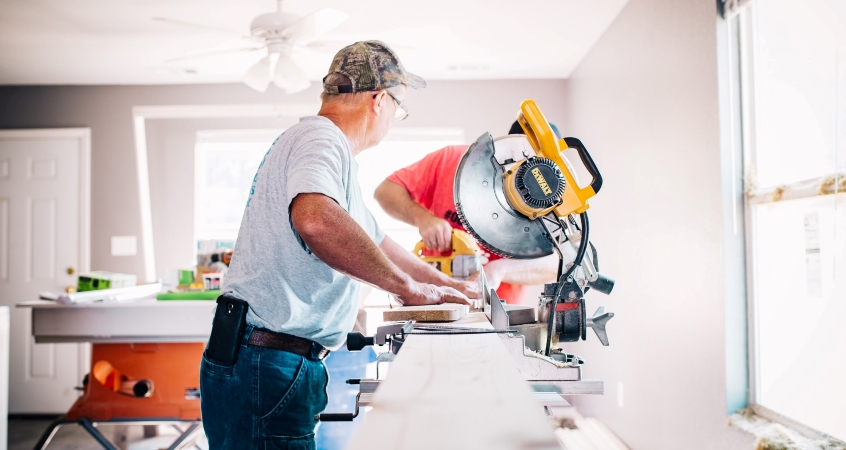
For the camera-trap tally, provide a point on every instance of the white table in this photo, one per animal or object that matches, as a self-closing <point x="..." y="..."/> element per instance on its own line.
<point x="148" y="321"/>
<point x="114" y="322"/>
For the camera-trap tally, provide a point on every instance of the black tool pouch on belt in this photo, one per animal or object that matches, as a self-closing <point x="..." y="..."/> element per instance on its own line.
<point x="230" y="319"/>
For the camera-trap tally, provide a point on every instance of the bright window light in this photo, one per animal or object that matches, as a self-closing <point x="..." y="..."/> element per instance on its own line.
<point x="796" y="209"/>
<point x="225" y="164"/>
<point x="226" y="161"/>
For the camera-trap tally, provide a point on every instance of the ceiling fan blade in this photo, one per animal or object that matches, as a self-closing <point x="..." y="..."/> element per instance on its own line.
<point x="215" y="52"/>
<point x="258" y="76"/>
<point x="290" y="76"/>
<point x="316" y="23"/>
<point x="201" y="26"/>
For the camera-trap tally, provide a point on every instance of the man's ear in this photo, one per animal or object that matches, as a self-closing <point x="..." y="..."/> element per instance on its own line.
<point x="377" y="104"/>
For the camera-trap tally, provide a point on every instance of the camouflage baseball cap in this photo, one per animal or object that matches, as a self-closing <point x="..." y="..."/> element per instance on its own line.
<point x="370" y="66"/>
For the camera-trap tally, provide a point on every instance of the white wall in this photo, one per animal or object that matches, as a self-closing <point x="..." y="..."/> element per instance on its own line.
<point x="645" y="103"/>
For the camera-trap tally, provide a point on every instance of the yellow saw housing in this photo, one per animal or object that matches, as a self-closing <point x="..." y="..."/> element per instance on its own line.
<point x="547" y="172"/>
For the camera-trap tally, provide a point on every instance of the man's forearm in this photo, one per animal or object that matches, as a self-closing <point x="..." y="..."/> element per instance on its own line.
<point x="397" y="202"/>
<point x="413" y="265"/>
<point x="335" y="238"/>
<point x="526" y="271"/>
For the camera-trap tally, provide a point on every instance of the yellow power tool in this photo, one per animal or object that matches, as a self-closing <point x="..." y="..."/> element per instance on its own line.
<point x="463" y="261"/>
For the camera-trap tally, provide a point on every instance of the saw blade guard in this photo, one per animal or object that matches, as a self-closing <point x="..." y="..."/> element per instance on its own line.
<point x="485" y="212"/>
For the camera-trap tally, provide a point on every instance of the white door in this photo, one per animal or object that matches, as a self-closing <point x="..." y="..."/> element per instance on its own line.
<point x="44" y="179"/>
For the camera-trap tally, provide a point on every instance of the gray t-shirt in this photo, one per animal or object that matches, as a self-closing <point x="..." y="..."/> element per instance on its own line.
<point x="288" y="288"/>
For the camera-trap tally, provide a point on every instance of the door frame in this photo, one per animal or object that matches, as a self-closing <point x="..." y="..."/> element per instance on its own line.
<point x="83" y="138"/>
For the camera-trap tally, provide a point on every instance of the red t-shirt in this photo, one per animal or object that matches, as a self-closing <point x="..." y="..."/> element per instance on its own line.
<point x="430" y="183"/>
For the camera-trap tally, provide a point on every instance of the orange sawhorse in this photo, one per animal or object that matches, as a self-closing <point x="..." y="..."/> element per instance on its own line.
<point x="173" y="369"/>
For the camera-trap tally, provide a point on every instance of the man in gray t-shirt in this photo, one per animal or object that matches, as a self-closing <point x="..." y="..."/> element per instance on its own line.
<point x="306" y="242"/>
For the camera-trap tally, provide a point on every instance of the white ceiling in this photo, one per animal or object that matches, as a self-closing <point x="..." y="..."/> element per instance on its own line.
<point x="117" y="42"/>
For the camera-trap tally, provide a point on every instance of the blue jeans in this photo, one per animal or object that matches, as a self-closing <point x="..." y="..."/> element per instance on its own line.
<point x="267" y="400"/>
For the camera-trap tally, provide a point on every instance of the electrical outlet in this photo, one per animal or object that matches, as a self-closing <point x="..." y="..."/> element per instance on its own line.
<point x="124" y="246"/>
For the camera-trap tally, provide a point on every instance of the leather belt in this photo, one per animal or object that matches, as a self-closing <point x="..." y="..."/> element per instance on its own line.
<point x="288" y="343"/>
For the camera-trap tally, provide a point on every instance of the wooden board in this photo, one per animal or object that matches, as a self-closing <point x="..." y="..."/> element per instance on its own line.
<point x="451" y="392"/>
<point x="430" y="313"/>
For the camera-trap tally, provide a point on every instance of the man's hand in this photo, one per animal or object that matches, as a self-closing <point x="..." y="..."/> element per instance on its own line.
<point x="436" y="233"/>
<point x="471" y="287"/>
<point x="425" y="273"/>
<point x="429" y="294"/>
<point x="397" y="202"/>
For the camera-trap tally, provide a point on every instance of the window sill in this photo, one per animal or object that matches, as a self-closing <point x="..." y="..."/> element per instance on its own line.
<point x="774" y="431"/>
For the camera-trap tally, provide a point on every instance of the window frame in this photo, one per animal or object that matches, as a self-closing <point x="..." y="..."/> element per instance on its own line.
<point x="741" y="33"/>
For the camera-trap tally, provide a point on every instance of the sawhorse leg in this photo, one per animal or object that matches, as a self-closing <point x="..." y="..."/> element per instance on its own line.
<point x="184" y="440"/>
<point x="48" y="434"/>
<point x="95" y="433"/>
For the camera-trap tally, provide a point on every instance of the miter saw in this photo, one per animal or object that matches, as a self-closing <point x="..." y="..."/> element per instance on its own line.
<point x="520" y="198"/>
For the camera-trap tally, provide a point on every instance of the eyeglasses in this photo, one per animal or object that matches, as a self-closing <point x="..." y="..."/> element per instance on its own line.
<point x="401" y="112"/>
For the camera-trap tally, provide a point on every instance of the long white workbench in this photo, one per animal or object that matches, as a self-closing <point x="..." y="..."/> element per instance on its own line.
<point x="114" y="322"/>
<point x="445" y="391"/>
<point x="455" y="392"/>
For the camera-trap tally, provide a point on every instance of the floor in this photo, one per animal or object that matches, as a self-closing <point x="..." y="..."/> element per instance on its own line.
<point x="25" y="431"/>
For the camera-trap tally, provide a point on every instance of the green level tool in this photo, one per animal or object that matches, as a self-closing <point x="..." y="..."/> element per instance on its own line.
<point x="190" y="295"/>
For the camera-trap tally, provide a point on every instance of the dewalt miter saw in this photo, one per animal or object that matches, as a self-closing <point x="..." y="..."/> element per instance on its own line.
<point x="520" y="198"/>
<point x="464" y="257"/>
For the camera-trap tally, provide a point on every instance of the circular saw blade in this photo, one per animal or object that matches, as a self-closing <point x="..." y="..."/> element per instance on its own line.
<point x="485" y="212"/>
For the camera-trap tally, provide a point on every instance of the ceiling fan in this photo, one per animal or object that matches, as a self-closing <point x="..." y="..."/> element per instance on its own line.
<point x="282" y="35"/>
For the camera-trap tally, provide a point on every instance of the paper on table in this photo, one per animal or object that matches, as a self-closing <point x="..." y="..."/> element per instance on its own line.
<point x="129" y="294"/>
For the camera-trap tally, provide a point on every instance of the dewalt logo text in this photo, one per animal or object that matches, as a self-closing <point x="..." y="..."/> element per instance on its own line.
<point x="541" y="181"/>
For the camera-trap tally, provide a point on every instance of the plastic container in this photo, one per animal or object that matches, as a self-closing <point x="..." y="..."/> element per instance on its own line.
<point x="211" y="281"/>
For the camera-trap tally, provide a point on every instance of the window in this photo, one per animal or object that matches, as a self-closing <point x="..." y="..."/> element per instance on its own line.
<point x="225" y="164"/>
<point x="793" y="87"/>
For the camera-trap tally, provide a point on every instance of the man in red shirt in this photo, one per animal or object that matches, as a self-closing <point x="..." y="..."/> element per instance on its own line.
<point x="422" y="195"/>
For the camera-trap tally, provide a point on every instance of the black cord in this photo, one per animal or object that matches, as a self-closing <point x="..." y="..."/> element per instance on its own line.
<point x="580" y="255"/>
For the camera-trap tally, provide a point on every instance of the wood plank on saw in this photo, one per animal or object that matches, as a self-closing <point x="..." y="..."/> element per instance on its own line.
<point x="454" y="392"/>
<point x="447" y="312"/>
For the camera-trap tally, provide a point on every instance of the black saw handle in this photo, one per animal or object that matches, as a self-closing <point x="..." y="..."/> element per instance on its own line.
<point x="587" y="160"/>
